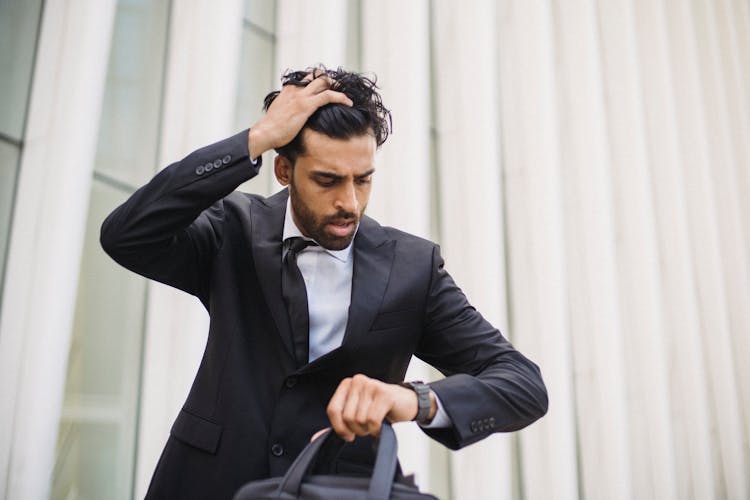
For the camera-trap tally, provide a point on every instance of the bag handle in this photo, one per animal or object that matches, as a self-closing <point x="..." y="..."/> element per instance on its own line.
<point x="381" y="481"/>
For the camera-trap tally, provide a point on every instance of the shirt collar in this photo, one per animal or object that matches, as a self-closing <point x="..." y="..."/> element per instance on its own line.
<point x="291" y="231"/>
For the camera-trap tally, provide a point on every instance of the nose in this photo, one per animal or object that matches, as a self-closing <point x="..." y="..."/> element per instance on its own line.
<point x="346" y="200"/>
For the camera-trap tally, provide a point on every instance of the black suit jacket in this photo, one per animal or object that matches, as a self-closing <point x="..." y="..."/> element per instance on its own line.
<point x="250" y="411"/>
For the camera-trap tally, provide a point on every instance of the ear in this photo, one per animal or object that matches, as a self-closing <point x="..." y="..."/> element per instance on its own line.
<point x="282" y="168"/>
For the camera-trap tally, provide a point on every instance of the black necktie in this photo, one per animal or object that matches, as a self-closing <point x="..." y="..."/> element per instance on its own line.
<point x="295" y="296"/>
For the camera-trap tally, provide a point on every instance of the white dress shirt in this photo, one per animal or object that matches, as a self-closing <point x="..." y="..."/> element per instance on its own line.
<point x="328" y="279"/>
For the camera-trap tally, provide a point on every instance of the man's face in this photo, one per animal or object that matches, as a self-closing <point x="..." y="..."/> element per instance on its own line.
<point x="329" y="186"/>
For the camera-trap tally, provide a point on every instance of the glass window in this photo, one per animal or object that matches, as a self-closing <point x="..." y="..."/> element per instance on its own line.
<point x="89" y="447"/>
<point x="8" y="168"/>
<point x="19" y="20"/>
<point x="257" y="76"/>
<point x="261" y="13"/>
<point x="97" y="436"/>
<point x="19" y="27"/>
<point x="127" y="148"/>
<point x="96" y="439"/>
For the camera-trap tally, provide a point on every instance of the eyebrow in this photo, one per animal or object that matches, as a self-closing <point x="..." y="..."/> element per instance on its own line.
<point x="336" y="177"/>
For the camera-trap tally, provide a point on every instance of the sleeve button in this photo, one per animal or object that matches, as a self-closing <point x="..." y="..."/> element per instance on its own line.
<point x="226" y="159"/>
<point x="217" y="164"/>
<point x="199" y="170"/>
<point x="208" y="167"/>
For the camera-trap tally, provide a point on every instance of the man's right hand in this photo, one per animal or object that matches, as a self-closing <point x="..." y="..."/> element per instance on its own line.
<point x="289" y="111"/>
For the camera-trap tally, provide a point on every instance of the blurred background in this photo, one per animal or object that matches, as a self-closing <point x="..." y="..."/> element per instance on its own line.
<point x="585" y="165"/>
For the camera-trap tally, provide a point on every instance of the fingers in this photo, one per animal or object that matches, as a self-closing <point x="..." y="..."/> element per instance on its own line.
<point x="361" y="416"/>
<point x="331" y="96"/>
<point x="349" y="412"/>
<point x="317" y="84"/>
<point x="359" y="406"/>
<point x="321" y="88"/>
<point x="315" y="95"/>
<point x="335" y="410"/>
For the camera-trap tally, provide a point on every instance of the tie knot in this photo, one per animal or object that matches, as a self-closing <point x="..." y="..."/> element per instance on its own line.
<point x="297" y="244"/>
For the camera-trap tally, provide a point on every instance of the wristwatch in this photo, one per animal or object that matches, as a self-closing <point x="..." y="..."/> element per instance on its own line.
<point x="423" y="400"/>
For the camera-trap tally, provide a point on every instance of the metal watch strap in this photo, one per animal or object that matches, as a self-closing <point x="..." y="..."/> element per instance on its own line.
<point x="423" y="400"/>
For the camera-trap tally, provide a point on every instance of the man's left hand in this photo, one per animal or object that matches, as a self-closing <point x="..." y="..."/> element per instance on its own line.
<point x="360" y="404"/>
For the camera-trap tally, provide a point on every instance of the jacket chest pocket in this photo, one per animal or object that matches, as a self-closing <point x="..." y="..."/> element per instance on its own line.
<point x="393" y="320"/>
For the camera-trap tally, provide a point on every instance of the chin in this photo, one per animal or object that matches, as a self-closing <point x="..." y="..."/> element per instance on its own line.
<point x="330" y="242"/>
<point x="337" y="243"/>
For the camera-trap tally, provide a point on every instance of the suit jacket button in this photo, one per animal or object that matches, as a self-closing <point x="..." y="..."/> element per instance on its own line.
<point x="217" y="163"/>
<point x="199" y="170"/>
<point x="208" y="167"/>
<point x="226" y="159"/>
<point x="290" y="382"/>
<point x="277" y="450"/>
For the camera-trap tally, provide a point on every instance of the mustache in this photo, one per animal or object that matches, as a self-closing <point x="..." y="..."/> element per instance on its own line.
<point x="340" y="216"/>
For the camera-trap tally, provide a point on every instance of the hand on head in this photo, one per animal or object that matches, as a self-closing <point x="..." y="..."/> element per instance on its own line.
<point x="290" y="110"/>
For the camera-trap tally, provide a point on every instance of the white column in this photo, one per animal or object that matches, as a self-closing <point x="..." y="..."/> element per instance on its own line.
<point x="309" y="33"/>
<point x="47" y="237"/>
<point x="535" y="239"/>
<point x="695" y="115"/>
<point x="734" y="20"/>
<point x="687" y="372"/>
<point x="639" y="282"/>
<point x="395" y="43"/>
<point x="471" y="204"/>
<point x="729" y="153"/>
<point x="595" y="316"/>
<point x="204" y="53"/>
<point x="395" y="47"/>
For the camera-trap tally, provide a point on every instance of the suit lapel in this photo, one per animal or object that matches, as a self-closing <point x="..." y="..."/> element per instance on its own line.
<point x="373" y="256"/>
<point x="268" y="226"/>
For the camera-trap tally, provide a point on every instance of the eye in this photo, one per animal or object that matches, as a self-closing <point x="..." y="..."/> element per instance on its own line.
<point x="325" y="182"/>
<point x="364" y="180"/>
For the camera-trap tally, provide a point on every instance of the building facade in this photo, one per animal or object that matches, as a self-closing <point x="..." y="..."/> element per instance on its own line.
<point x="583" y="164"/>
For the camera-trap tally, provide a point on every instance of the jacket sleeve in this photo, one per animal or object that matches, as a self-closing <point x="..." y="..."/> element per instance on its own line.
<point x="170" y="229"/>
<point x="489" y="386"/>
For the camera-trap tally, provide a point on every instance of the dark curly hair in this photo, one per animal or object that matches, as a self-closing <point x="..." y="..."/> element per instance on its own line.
<point x="366" y="115"/>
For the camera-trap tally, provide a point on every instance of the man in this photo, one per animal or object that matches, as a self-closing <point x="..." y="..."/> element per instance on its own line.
<point x="315" y="308"/>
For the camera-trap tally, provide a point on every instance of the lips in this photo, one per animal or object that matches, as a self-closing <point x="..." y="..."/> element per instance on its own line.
<point x="341" y="228"/>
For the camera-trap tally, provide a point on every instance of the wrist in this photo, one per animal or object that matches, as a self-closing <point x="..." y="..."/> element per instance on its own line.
<point x="256" y="144"/>
<point x="433" y="406"/>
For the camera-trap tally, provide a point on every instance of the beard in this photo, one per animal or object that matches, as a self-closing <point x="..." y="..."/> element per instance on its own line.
<point x="314" y="226"/>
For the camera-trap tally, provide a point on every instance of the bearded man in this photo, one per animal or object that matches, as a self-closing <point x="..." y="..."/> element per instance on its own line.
<point x="315" y="308"/>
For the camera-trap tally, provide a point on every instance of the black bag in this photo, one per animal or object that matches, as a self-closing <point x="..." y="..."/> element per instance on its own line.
<point x="297" y="484"/>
